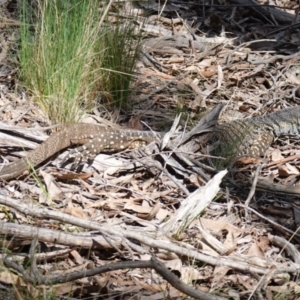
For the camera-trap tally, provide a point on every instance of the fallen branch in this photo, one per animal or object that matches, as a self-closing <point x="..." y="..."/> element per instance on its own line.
<point x="35" y="277"/>
<point x="146" y="237"/>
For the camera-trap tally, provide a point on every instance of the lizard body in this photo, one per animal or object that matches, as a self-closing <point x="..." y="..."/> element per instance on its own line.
<point x="253" y="136"/>
<point x="249" y="137"/>
<point x="94" y="138"/>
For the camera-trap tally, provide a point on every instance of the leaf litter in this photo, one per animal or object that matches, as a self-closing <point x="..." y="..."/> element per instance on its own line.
<point x="165" y="200"/>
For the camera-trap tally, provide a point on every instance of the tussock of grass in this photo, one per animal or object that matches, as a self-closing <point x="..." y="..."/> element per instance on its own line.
<point x="122" y="49"/>
<point x="73" y="56"/>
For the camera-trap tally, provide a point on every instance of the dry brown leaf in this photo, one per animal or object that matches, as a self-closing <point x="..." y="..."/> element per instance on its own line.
<point x="292" y="169"/>
<point x="76" y="212"/>
<point x="102" y="203"/>
<point x="138" y="208"/>
<point x="161" y="255"/>
<point x="162" y="215"/>
<point x="173" y="264"/>
<point x="78" y="258"/>
<point x="33" y="290"/>
<point x="276" y="155"/>
<point x="247" y="281"/>
<point x="10" y="278"/>
<point x="287" y="170"/>
<point x="214" y="242"/>
<point x="206" y="249"/>
<point x="64" y="289"/>
<point x="194" y="85"/>
<point x="209" y="89"/>
<point x="110" y="205"/>
<point x="135" y="123"/>
<point x="219" y="274"/>
<point x="233" y="278"/>
<point x="292" y="78"/>
<point x="172" y="21"/>
<point x="147" y="184"/>
<point x="205" y="63"/>
<point x="168" y="293"/>
<point x="248" y="160"/>
<point x="255" y="250"/>
<point x="209" y="72"/>
<point x="197" y="102"/>
<point x="245" y="239"/>
<point x="192" y="69"/>
<point x="156" y="288"/>
<point x="244" y="108"/>
<point x="24" y="186"/>
<point x="197" y="180"/>
<point x="54" y="191"/>
<point x="153" y="212"/>
<point x="263" y="243"/>
<point x="175" y="59"/>
<point x="190" y="273"/>
<point x="230" y="242"/>
<point x="240" y="66"/>
<point x="288" y="288"/>
<point x="72" y="176"/>
<point x="159" y="74"/>
<point x="217" y="226"/>
<point x="17" y="289"/>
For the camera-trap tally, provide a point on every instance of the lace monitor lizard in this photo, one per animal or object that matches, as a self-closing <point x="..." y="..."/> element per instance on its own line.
<point x="93" y="138"/>
<point x="253" y="136"/>
<point x="249" y="137"/>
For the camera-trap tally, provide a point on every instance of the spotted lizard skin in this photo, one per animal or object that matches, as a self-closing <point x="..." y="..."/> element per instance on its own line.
<point x="249" y="137"/>
<point x="93" y="138"/>
<point x="252" y="137"/>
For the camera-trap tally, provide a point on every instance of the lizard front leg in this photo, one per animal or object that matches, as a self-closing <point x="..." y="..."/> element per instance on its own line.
<point x="109" y="142"/>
